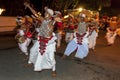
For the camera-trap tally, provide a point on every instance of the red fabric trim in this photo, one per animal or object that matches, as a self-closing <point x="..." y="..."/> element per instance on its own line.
<point x="43" y="41"/>
<point x="80" y="38"/>
<point x="28" y="34"/>
<point x="91" y="29"/>
<point x="71" y="27"/>
<point x="112" y="29"/>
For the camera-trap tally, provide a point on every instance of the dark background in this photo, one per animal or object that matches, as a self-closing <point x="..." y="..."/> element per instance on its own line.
<point x="16" y="7"/>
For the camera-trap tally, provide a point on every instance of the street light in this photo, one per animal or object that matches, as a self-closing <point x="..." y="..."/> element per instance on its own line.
<point x="100" y="8"/>
<point x="1" y="10"/>
<point x="80" y="9"/>
<point x="66" y="16"/>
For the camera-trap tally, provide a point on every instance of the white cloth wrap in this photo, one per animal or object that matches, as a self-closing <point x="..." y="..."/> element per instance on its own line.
<point x="45" y="61"/>
<point x="82" y="50"/>
<point x="24" y="46"/>
<point x="92" y="39"/>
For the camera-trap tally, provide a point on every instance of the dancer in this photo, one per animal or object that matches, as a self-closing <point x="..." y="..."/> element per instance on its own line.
<point x="21" y="37"/>
<point x="93" y="34"/>
<point x="58" y="25"/>
<point x="42" y="53"/>
<point x="79" y="42"/>
<point x="70" y="28"/>
<point x="111" y="32"/>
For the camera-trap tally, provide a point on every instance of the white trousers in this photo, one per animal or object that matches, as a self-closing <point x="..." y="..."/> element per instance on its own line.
<point x="82" y="50"/>
<point x="45" y="61"/>
<point x="24" y="46"/>
<point x="69" y="37"/>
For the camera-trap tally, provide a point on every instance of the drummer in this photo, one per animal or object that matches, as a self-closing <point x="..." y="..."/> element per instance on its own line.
<point x="22" y="40"/>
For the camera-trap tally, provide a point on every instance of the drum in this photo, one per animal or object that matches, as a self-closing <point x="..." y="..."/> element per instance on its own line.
<point x="20" y="39"/>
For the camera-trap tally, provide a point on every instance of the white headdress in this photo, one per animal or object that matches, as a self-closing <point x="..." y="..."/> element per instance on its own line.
<point x="70" y="15"/>
<point x="82" y="15"/>
<point x="49" y="11"/>
<point x="19" y="20"/>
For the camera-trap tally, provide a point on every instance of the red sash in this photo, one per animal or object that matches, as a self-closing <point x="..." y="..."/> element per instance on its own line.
<point x="80" y="38"/>
<point x="43" y="41"/>
<point x="28" y="34"/>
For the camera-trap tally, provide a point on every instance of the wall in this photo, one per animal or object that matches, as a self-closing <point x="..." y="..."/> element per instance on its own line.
<point x="7" y="23"/>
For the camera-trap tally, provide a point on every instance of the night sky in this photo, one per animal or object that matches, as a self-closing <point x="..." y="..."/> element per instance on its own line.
<point x="115" y="3"/>
<point x="37" y="3"/>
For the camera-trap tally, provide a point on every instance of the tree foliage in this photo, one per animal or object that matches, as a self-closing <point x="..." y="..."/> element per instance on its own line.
<point x="15" y="7"/>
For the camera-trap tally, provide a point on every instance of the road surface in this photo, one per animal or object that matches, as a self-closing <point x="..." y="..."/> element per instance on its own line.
<point x="103" y="64"/>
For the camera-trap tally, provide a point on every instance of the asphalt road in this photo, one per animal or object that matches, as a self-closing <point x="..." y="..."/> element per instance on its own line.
<point x="103" y="64"/>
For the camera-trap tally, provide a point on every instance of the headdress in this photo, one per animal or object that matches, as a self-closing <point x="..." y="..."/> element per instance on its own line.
<point x="57" y="14"/>
<point x="82" y="15"/>
<point x="19" y="19"/>
<point x="49" y="11"/>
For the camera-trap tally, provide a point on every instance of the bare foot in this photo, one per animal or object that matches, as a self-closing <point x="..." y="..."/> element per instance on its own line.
<point x="109" y="44"/>
<point x="20" y="53"/>
<point x="29" y="65"/>
<point x="93" y="50"/>
<point x="54" y="74"/>
<point x="63" y="57"/>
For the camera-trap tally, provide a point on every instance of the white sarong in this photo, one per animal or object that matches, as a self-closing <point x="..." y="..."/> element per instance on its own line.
<point x="45" y="61"/>
<point x="82" y="50"/>
<point x="92" y="39"/>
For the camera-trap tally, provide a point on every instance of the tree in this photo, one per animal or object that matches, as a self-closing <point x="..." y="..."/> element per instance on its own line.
<point x="15" y="7"/>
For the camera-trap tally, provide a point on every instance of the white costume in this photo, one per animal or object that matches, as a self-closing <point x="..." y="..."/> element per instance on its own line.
<point x="42" y="52"/>
<point x="69" y="33"/>
<point x="58" y="32"/>
<point x="70" y="28"/>
<point x="43" y="59"/>
<point x="59" y="38"/>
<point x="80" y="42"/>
<point x="58" y="27"/>
<point x="69" y="36"/>
<point x="111" y="35"/>
<point x="24" y="45"/>
<point x="92" y="39"/>
<point x="93" y="34"/>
